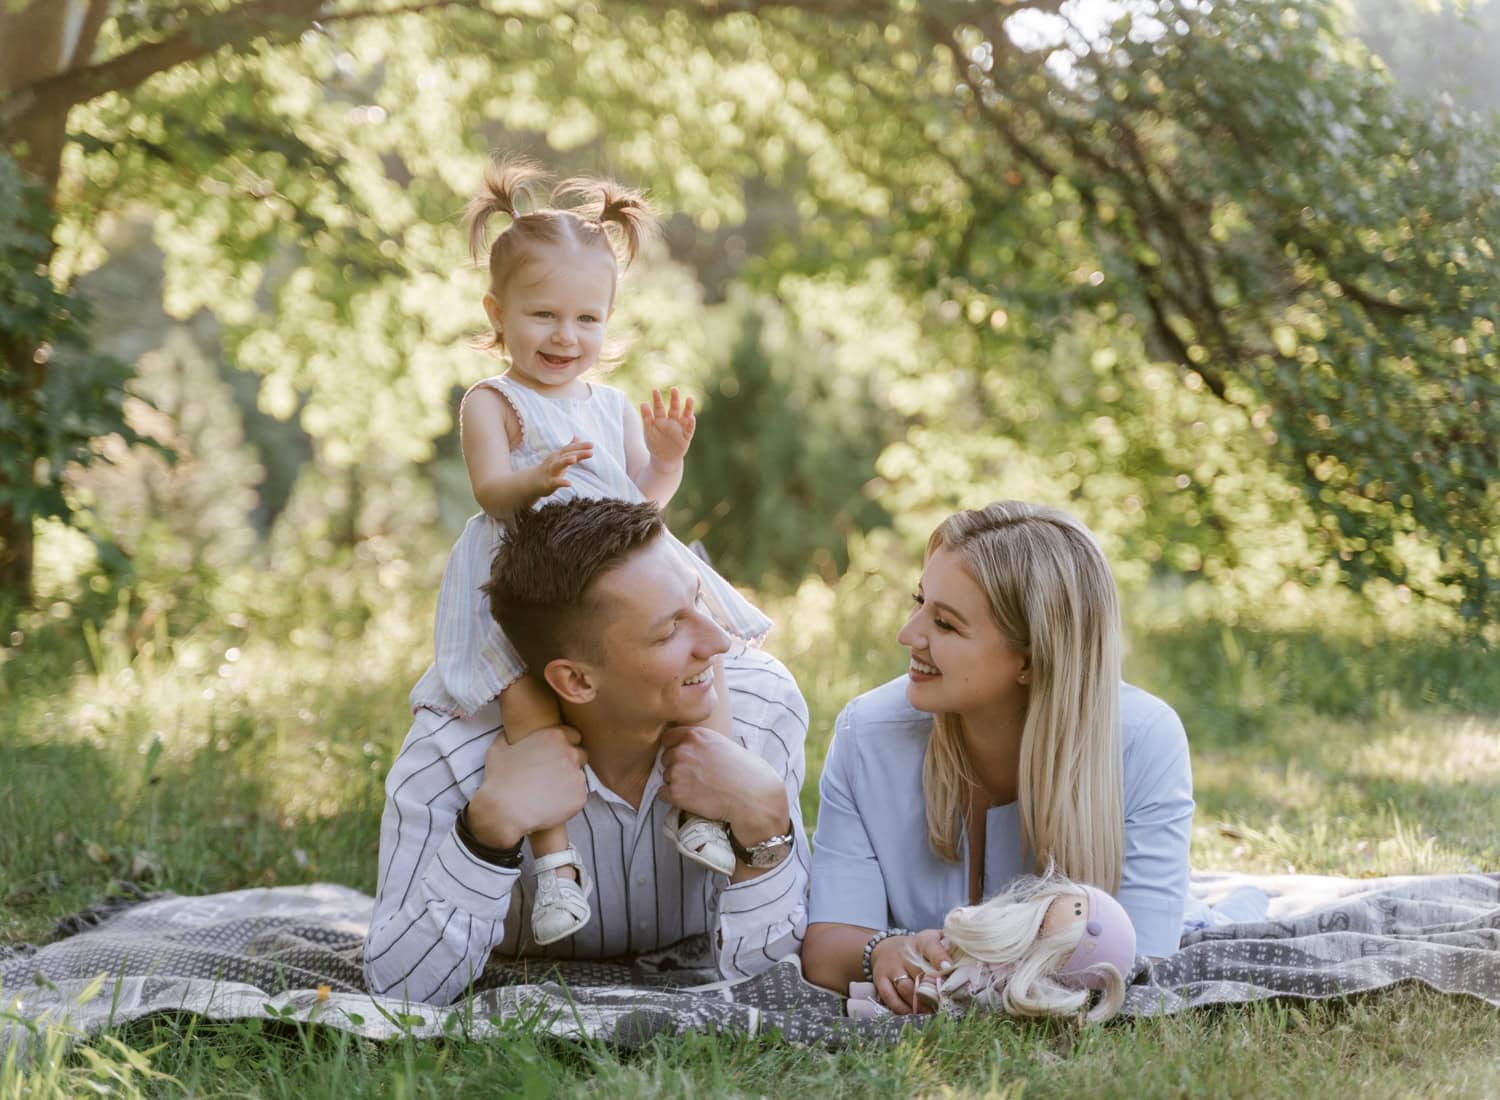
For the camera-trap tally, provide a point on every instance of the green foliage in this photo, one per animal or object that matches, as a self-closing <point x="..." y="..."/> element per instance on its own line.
<point x="57" y="396"/>
<point x="1233" y="191"/>
<point x="1441" y="48"/>
<point x="249" y="750"/>
<point x="1201" y="274"/>
<point x="785" y="448"/>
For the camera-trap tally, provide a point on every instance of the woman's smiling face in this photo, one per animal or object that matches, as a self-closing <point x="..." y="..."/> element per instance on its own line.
<point x="960" y="661"/>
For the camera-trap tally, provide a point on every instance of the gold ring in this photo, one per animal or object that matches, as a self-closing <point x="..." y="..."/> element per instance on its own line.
<point x="903" y="978"/>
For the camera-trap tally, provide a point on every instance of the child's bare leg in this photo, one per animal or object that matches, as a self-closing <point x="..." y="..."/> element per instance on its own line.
<point x="525" y="707"/>
<point x="701" y="840"/>
<point x="560" y="906"/>
<point x="720" y="721"/>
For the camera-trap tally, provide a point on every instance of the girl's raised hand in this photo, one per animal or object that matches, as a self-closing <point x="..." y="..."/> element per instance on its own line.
<point x="668" y="426"/>
<point x="553" y="469"/>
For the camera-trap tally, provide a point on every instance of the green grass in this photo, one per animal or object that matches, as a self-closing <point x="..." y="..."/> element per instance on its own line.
<point x="1408" y="1042"/>
<point x="237" y="752"/>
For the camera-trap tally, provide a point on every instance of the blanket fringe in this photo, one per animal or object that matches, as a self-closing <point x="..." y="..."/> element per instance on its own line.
<point x="127" y="895"/>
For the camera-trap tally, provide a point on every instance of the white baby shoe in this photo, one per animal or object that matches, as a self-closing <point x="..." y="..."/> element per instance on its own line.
<point x="701" y="840"/>
<point x="561" y="905"/>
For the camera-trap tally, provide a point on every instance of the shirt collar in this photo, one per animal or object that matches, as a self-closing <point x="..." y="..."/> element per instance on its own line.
<point x="596" y="786"/>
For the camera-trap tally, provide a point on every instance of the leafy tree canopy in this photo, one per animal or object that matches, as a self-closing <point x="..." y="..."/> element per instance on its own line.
<point x="1194" y="269"/>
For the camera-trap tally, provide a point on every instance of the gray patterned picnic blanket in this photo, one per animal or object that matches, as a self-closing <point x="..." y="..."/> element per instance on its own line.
<point x="293" y="954"/>
<point x="1325" y="936"/>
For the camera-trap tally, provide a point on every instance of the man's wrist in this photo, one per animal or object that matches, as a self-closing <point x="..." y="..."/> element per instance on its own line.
<point x="765" y="853"/>
<point x="491" y="829"/>
<point x="762" y="819"/>
<point x="507" y="856"/>
<point x="749" y="835"/>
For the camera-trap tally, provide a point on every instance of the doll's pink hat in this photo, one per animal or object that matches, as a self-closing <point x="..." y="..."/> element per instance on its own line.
<point x="1108" y="937"/>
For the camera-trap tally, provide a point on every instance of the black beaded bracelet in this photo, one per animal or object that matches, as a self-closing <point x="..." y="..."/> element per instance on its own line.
<point x="509" y="858"/>
<point x="870" y="948"/>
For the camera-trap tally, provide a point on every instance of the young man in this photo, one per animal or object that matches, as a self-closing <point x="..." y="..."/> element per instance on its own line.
<point x="631" y="655"/>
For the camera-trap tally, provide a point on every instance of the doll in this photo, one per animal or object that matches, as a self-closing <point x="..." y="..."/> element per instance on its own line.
<point x="1038" y="948"/>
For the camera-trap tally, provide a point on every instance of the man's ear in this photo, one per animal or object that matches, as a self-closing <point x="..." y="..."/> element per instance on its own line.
<point x="572" y="680"/>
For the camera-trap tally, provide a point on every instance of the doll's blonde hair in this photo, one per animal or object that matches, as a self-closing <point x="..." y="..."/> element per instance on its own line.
<point x="1053" y="597"/>
<point x="594" y="214"/>
<point x="1001" y="961"/>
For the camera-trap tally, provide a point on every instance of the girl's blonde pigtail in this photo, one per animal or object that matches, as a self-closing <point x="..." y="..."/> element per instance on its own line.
<point x="509" y="184"/>
<point x="611" y="203"/>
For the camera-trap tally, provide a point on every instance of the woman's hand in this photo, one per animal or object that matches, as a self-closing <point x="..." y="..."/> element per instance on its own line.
<point x="897" y="973"/>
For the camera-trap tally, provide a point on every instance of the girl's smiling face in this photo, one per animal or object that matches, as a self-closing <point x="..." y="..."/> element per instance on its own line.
<point x="960" y="661"/>
<point x="552" y="316"/>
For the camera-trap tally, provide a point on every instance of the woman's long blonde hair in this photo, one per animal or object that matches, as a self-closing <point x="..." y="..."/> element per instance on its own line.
<point x="1053" y="597"/>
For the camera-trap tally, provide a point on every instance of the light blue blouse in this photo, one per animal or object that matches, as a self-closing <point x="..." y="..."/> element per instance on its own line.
<point x="872" y="865"/>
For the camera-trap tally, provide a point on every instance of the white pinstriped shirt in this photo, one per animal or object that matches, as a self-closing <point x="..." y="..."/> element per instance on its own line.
<point x="440" y="911"/>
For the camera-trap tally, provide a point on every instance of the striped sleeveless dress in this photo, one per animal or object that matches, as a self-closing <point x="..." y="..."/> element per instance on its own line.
<point x="474" y="661"/>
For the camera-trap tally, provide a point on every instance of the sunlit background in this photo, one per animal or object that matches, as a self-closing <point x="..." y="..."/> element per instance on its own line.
<point x="1213" y="278"/>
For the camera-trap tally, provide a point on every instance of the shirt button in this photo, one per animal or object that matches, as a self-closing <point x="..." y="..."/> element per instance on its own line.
<point x="640" y="880"/>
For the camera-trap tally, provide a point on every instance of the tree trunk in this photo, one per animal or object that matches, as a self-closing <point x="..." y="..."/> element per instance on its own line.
<point x="40" y="40"/>
<point x="47" y="66"/>
<point x="16" y="556"/>
<point x="41" y="158"/>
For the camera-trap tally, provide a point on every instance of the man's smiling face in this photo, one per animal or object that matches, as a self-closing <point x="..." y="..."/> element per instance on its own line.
<point x="657" y="641"/>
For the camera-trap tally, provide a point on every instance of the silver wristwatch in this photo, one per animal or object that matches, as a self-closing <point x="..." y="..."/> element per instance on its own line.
<point x="765" y="853"/>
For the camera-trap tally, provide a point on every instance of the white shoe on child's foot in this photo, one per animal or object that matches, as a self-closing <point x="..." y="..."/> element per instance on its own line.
<point x="561" y="905"/>
<point x="701" y="840"/>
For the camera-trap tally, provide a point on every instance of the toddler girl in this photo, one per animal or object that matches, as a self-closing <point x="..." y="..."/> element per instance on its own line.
<point x="542" y="431"/>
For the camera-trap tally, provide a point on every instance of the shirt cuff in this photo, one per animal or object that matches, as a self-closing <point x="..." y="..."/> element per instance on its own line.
<point x="468" y="883"/>
<point x="1158" y="928"/>
<point x="744" y="906"/>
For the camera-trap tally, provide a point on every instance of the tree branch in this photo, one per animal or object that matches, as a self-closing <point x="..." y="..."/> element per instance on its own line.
<point x="280" y="20"/>
<point x="421" y="7"/>
<point x="194" y="41"/>
<point x="1372" y="302"/>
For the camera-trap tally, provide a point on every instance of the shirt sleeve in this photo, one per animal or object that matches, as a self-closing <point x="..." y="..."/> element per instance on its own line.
<point x="847" y="887"/>
<point x="439" y="909"/>
<point x="1158" y="831"/>
<point x="763" y="919"/>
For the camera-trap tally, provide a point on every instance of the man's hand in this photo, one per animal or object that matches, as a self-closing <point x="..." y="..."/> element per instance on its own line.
<point x="668" y="428"/>
<point x="706" y="773"/>
<point x="536" y="783"/>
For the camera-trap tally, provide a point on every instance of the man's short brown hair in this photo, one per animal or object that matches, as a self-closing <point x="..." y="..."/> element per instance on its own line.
<point x="542" y="579"/>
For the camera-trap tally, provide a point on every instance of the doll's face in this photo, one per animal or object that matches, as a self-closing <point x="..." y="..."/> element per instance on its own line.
<point x="1066" y="912"/>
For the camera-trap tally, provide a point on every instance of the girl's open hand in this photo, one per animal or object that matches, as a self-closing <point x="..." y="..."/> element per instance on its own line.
<point x="553" y="469"/>
<point x="668" y="426"/>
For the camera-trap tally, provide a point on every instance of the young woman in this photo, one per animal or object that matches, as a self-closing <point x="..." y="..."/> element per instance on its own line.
<point x="1009" y="745"/>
